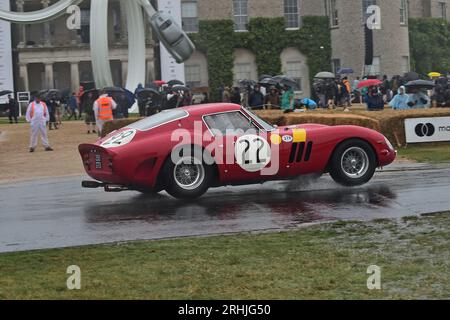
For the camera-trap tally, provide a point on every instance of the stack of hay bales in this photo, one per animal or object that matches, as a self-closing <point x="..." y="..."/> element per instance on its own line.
<point x="389" y="122"/>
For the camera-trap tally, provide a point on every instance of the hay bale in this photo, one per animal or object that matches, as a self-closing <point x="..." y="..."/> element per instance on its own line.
<point x="389" y="122"/>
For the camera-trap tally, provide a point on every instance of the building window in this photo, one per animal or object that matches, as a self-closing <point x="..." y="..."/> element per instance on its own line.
<point x="291" y="14"/>
<point x="84" y="32"/>
<point x="294" y="71"/>
<point x="376" y="63"/>
<point x="443" y="10"/>
<point x="336" y="65"/>
<point x="243" y="71"/>
<point x="403" y="12"/>
<point x="405" y="64"/>
<point x="240" y="12"/>
<point x="189" y="16"/>
<point x="334" y="18"/>
<point x="193" y="77"/>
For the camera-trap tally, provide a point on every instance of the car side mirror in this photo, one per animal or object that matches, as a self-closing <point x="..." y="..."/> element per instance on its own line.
<point x="172" y="36"/>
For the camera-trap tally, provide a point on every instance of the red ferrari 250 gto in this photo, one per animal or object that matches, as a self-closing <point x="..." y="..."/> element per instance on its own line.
<point x="186" y="151"/>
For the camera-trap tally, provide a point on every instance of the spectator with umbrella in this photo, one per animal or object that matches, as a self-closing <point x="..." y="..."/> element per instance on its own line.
<point x="400" y="101"/>
<point x="272" y="99"/>
<point x="374" y="99"/>
<point x="87" y="104"/>
<point x="287" y="100"/>
<point x="256" y="98"/>
<point x="418" y="98"/>
<point x="226" y="95"/>
<point x="151" y="100"/>
<point x="355" y="89"/>
<point x="140" y="101"/>
<point x="73" y="106"/>
<point x="13" y="109"/>
<point x="236" y="96"/>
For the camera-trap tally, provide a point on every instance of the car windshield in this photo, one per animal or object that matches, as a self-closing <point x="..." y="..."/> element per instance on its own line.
<point x="159" y="119"/>
<point x="266" y="126"/>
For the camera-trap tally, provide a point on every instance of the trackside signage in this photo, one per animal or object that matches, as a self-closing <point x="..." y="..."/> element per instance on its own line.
<point x="427" y="129"/>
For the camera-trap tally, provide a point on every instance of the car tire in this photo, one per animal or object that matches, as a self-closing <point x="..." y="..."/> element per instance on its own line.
<point x="353" y="163"/>
<point x="187" y="179"/>
<point x="149" y="191"/>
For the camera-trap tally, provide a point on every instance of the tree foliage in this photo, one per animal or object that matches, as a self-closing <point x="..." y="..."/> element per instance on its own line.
<point x="430" y="45"/>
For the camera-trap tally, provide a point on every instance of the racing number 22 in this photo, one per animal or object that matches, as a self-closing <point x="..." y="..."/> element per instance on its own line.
<point x="246" y="153"/>
<point x="120" y="139"/>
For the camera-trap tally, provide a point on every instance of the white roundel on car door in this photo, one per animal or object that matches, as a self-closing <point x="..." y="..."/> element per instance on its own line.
<point x="252" y="152"/>
<point x="120" y="139"/>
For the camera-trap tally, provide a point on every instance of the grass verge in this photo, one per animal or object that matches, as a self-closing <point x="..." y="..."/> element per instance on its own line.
<point x="432" y="153"/>
<point x="321" y="262"/>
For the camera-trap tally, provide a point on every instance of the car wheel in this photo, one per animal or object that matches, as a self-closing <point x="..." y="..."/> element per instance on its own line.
<point x="188" y="178"/>
<point x="353" y="163"/>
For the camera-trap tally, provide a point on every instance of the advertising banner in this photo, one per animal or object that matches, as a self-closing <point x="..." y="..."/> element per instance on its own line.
<point x="6" y="71"/>
<point x="427" y="129"/>
<point x="170" y="69"/>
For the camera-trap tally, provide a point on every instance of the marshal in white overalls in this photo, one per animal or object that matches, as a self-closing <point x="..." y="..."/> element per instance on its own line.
<point x="38" y="116"/>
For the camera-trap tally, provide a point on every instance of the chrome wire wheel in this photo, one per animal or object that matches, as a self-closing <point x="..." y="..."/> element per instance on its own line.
<point x="188" y="174"/>
<point x="355" y="162"/>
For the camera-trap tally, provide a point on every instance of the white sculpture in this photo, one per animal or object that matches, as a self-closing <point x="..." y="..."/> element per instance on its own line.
<point x="181" y="49"/>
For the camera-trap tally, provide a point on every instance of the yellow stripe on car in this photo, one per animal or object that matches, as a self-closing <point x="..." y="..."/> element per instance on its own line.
<point x="299" y="135"/>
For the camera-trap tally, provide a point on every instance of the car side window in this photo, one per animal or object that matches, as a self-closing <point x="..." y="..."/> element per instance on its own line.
<point x="229" y="123"/>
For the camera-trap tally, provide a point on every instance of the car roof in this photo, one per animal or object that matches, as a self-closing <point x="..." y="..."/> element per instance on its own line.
<point x="204" y="109"/>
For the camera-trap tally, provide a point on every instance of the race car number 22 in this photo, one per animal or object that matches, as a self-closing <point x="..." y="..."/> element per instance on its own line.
<point x="119" y="139"/>
<point x="252" y="152"/>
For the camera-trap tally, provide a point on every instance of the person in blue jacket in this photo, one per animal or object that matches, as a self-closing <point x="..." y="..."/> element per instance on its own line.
<point x="308" y="103"/>
<point x="419" y="100"/>
<point x="400" y="101"/>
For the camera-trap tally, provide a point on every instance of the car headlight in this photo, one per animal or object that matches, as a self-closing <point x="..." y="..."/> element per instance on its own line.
<point x="389" y="144"/>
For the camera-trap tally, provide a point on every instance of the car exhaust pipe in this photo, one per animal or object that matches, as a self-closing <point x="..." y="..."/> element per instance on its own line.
<point x="106" y="186"/>
<point x="92" y="184"/>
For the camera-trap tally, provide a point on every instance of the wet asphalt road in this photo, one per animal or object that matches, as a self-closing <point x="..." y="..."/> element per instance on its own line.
<point x="58" y="213"/>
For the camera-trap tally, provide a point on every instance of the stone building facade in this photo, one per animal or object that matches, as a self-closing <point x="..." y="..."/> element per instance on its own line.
<point x="50" y="55"/>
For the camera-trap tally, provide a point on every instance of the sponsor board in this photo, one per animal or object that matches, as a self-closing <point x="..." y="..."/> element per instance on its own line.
<point x="170" y="69"/>
<point x="6" y="70"/>
<point x="427" y="129"/>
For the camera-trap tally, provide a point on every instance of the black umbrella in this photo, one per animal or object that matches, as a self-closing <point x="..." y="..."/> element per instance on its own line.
<point x="65" y="93"/>
<point x="268" y="82"/>
<point x="88" y="85"/>
<point x="420" y="84"/>
<point x="88" y="98"/>
<point x="113" y="89"/>
<point x="265" y="76"/>
<point x="325" y="75"/>
<point x="247" y="83"/>
<point x="147" y="92"/>
<point x="53" y="94"/>
<point x="5" y="92"/>
<point x="122" y="95"/>
<point x="172" y="83"/>
<point x="180" y="88"/>
<point x="411" y="76"/>
<point x="286" y="81"/>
